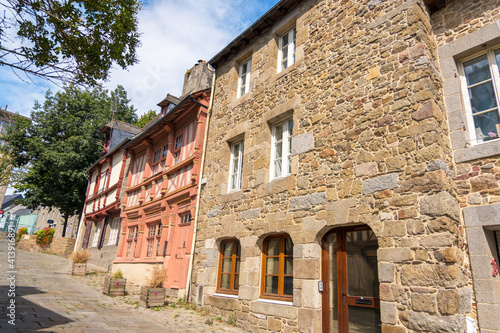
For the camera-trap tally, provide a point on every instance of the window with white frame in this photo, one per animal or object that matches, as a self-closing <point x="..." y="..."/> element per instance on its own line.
<point x="235" y="166"/>
<point x="481" y="86"/>
<point x="178" y="141"/>
<point x="156" y="162"/>
<point x="97" y="233"/>
<point x="286" y="50"/>
<point x="244" y="77"/>
<point x="104" y="180"/>
<point x="281" y="158"/>
<point x="114" y="230"/>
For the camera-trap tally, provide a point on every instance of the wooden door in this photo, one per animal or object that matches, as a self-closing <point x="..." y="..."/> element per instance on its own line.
<point x="351" y="301"/>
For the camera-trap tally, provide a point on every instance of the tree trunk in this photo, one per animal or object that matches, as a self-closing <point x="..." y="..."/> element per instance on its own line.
<point x="64" y="226"/>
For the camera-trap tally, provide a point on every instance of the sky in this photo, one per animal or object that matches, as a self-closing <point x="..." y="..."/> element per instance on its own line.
<point x="175" y="35"/>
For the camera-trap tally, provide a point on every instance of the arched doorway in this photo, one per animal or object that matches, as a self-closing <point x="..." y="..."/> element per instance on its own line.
<point x="351" y="301"/>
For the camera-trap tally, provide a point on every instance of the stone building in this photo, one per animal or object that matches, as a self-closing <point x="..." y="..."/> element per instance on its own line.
<point x="52" y="218"/>
<point x="99" y="229"/>
<point x="162" y="187"/>
<point x="351" y="176"/>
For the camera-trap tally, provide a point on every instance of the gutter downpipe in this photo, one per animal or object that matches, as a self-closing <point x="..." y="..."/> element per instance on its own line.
<point x="202" y="165"/>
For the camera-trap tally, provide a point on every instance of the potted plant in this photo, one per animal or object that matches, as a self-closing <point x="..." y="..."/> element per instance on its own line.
<point x="79" y="259"/>
<point x="114" y="285"/>
<point x="153" y="294"/>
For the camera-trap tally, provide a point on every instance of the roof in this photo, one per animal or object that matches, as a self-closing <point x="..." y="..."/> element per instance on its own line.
<point x="265" y="21"/>
<point x="179" y="108"/>
<point x="7" y="114"/>
<point x="120" y="125"/>
<point x="169" y="99"/>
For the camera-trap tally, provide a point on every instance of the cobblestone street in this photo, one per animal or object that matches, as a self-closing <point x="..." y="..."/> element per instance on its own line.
<point x="48" y="299"/>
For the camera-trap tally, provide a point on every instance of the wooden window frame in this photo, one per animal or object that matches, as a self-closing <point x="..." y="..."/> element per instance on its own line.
<point x="178" y="142"/>
<point x="155" y="166"/>
<point x="181" y="217"/>
<point x="291" y="47"/>
<point x="281" y="273"/>
<point x="244" y="77"/>
<point x="234" y="257"/>
<point x="236" y="156"/>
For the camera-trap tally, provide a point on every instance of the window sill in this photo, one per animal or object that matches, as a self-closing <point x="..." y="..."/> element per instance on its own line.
<point x="226" y="295"/>
<point x="481" y="150"/>
<point x="272" y="301"/>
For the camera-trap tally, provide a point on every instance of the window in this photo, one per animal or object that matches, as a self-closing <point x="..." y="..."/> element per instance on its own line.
<point x="114" y="230"/>
<point x="165" y="151"/>
<point x="132" y="241"/>
<point x="186" y="218"/>
<point x="244" y="78"/>
<point x="229" y="267"/>
<point x="481" y="84"/>
<point x="178" y="141"/>
<point x="158" y="237"/>
<point x="177" y="157"/>
<point x="156" y="162"/>
<point x="97" y="233"/>
<point x="235" y="166"/>
<point x="104" y="180"/>
<point x="287" y="50"/>
<point x="277" y="264"/>
<point x="281" y="158"/>
<point x="497" y="241"/>
<point x="153" y="239"/>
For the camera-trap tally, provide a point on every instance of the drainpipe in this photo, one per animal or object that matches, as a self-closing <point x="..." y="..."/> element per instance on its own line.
<point x="202" y="164"/>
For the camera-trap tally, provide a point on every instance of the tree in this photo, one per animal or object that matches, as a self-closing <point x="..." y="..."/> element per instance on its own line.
<point x="51" y="153"/>
<point x="68" y="40"/>
<point x="144" y="119"/>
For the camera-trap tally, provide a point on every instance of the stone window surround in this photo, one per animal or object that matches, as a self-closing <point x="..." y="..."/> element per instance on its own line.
<point x="480" y="222"/>
<point x="449" y="57"/>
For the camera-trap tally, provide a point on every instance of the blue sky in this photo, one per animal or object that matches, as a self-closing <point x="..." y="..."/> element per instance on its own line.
<point x="175" y="35"/>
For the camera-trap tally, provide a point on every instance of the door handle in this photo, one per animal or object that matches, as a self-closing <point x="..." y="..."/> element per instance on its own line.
<point x="344" y="296"/>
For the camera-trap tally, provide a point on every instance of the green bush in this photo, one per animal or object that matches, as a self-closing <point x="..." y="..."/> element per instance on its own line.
<point x="44" y="236"/>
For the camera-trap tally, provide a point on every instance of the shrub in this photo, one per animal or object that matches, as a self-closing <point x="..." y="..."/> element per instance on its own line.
<point x="20" y="232"/>
<point x="80" y="257"/>
<point x="118" y="275"/>
<point x="44" y="236"/>
<point x="157" y="275"/>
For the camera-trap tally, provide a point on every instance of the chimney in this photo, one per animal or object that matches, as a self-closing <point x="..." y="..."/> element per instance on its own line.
<point x="198" y="78"/>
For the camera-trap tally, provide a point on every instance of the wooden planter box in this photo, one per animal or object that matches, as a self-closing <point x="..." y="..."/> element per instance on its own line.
<point x="152" y="297"/>
<point x="79" y="269"/>
<point x="114" y="287"/>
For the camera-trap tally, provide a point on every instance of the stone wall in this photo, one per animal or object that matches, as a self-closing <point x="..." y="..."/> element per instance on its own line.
<point x="464" y="29"/>
<point x="371" y="144"/>
<point x="59" y="245"/>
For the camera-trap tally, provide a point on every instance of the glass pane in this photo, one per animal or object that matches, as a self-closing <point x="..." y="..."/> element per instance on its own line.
<point x="290" y="126"/>
<point x="237" y="266"/>
<point x="273" y="247"/>
<point x="244" y="69"/>
<point x="477" y="70"/>
<point x="497" y="56"/>
<point x="482" y="97"/>
<point x="288" y="287"/>
<point x="228" y="249"/>
<point x="362" y="273"/>
<point x="288" y="247"/>
<point x="485" y="124"/>
<point x="238" y="249"/>
<point x="289" y="266"/>
<point x="272" y="265"/>
<point x="289" y="164"/>
<point x="271" y="285"/>
<point x="235" y="166"/>
<point x="234" y="180"/>
<point x="277" y="168"/>
<point x="363" y="320"/>
<point x="226" y="265"/>
<point x="332" y="264"/>
<point x="278" y="133"/>
<point x="284" y="41"/>
<point x="278" y="150"/>
<point x="224" y="281"/>
<point x="236" y="282"/>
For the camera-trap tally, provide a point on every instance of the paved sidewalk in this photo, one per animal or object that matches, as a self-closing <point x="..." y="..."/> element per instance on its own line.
<point x="48" y="299"/>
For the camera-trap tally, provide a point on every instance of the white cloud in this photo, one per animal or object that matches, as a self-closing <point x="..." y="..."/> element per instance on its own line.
<point x="175" y="35"/>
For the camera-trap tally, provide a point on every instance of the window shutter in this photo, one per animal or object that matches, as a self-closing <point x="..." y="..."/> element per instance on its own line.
<point x="104" y="224"/>
<point x="119" y="232"/>
<point x="86" y="236"/>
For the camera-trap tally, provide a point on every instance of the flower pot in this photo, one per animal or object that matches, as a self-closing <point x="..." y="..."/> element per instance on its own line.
<point x="152" y="297"/>
<point x="79" y="269"/>
<point x="114" y="287"/>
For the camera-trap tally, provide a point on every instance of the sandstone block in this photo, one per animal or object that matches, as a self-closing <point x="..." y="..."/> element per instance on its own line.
<point x="271" y="309"/>
<point x="440" y="204"/>
<point x="423" y="302"/>
<point x="394" y="254"/>
<point x="386" y="272"/>
<point x="366" y="169"/>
